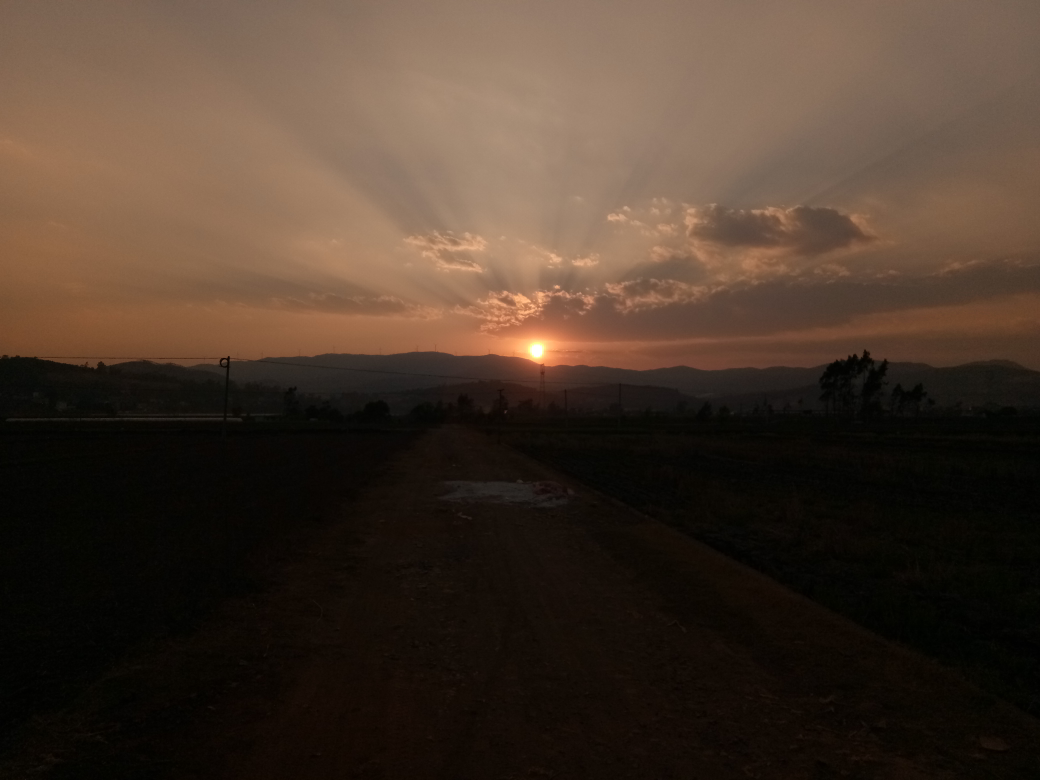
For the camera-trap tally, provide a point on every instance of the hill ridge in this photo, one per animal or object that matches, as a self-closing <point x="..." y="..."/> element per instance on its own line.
<point x="1001" y="382"/>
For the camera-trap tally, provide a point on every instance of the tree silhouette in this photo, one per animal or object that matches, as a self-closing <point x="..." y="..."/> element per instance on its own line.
<point x="465" y="406"/>
<point x="290" y="403"/>
<point x="324" y="412"/>
<point x="526" y="407"/>
<point x="904" y="401"/>
<point x="856" y="381"/>
<point x="873" y="384"/>
<point x="374" y="411"/>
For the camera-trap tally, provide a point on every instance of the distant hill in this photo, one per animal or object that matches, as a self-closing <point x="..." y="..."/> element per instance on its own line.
<point x="995" y="383"/>
<point x="32" y="386"/>
<point x="42" y="388"/>
<point x="376" y="373"/>
<point x="420" y="370"/>
<point x="986" y="383"/>
<point x="990" y="383"/>
<point x="146" y="368"/>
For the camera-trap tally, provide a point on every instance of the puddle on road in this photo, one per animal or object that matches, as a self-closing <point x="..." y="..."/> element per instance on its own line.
<point x="540" y="494"/>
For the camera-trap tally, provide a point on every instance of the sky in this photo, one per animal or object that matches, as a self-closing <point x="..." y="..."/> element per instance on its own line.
<point x="715" y="184"/>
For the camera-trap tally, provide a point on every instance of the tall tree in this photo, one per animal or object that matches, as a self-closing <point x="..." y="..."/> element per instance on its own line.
<point x="873" y="383"/>
<point x="908" y="401"/>
<point x="852" y="384"/>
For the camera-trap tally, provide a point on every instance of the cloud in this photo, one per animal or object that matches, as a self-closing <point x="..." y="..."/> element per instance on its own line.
<point x="556" y="260"/>
<point x="625" y="217"/>
<point x="669" y="263"/>
<point x="501" y="311"/>
<point x="834" y="270"/>
<point x="641" y="294"/>
<point x="728" y="246"/>
<point x="801" y="230"/>
<point x="646" y="308"/>
<point x="253" y="289"/>
<point x="448" y="251"/>
<point x="357" y="305"/>
<point x="589" y="261"/>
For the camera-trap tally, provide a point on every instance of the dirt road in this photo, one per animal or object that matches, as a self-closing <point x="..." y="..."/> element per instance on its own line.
<point x="417" y="638"/>
<point x="485" y="640"/>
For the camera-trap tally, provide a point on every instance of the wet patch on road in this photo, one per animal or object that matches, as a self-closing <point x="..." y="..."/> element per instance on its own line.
<point x="539" y="494"/>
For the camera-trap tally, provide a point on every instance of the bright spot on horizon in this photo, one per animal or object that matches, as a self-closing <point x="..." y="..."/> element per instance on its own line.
<point x="536" y="350"/>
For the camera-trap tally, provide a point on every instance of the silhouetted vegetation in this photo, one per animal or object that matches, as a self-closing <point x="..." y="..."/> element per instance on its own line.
<point x="466" y="406"/>
<point x="854" y="385"/>
<point x="853" y="388"/>
<point x="909" y="401"/>
<point x="526" y="408"/>
<point x="290" y="403"/>
<point x="374" y="412"/>
<point x="326" y="412"/>
<point x="41" y="388"/>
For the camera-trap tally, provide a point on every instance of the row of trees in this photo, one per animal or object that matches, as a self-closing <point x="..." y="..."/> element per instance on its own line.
<point x="853" y="386"/>
<point x="856" y="385"/>
<point x="379" y="411"/>
<point x="373" y="412"/>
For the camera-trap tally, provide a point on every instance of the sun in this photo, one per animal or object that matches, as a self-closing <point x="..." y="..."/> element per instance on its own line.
<point x="536" y="350"/>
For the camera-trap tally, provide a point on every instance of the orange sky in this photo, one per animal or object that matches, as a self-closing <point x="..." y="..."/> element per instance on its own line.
<point x="710" y="183"/>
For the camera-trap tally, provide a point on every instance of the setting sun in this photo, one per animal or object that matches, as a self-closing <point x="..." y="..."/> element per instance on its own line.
<point x="536" y="350"/>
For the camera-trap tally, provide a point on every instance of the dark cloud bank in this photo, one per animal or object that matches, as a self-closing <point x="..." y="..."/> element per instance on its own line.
<point x="801" y="230"/>
<point x="654" y="309"/>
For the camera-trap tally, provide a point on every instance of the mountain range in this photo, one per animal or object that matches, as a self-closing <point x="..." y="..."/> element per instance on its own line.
<point x="994" y="382"/>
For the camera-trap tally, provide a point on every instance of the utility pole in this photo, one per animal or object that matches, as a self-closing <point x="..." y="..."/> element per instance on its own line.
<point x="225" y="363"/>
<point x="565" y="403"/>
<point x="541" y="386"/>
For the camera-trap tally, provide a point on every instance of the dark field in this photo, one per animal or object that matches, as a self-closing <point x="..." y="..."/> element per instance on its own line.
<point x="929" y="535"/>
<point x="303" y="603"/>
<point x="110" y="539"/>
